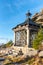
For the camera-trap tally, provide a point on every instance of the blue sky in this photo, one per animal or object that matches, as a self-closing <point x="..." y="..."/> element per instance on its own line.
<point x="12" y="12"/>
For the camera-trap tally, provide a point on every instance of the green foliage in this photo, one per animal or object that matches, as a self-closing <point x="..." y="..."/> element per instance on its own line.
<point x="8" y="44"/>
<point x="38" y="39"/>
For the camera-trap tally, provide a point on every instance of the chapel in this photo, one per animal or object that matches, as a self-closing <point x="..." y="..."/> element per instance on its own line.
<point x="24" y="33"/>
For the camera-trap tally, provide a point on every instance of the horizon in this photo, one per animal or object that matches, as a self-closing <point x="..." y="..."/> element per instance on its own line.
<point x="12" y="12"/>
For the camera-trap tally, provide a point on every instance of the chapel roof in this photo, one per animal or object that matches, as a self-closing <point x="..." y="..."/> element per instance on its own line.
<point x="27" y="22"/>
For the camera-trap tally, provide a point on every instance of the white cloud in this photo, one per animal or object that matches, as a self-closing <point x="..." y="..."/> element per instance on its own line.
<point x="3" y="40"/>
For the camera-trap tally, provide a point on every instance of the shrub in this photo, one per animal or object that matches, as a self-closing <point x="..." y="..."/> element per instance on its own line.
<point x="38" y="39"/>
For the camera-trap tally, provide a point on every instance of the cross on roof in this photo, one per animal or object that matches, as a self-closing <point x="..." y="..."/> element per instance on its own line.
<point x="28" y="14"/>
